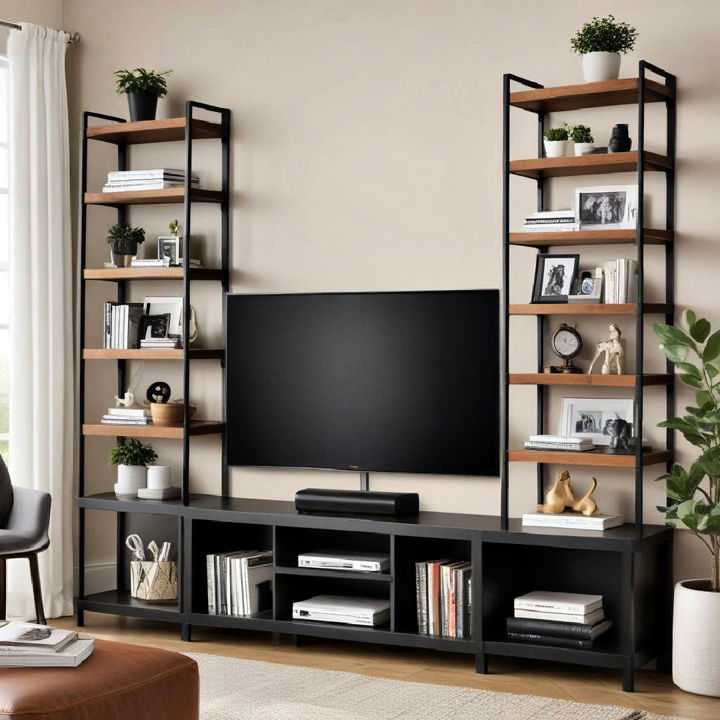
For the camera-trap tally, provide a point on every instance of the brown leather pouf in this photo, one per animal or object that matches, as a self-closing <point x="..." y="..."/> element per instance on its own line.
<point x="117" y="682"/>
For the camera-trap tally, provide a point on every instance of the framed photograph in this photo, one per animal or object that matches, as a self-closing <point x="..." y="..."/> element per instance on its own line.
<point x="606" y="207"/>
<point x="154" y="326"/>
<point x="588" y="288"/>
<point x="170" y="247"/>
<point x="589" y="417"/>
<point x="554" y="277"/>
<point x="172" y="306"/>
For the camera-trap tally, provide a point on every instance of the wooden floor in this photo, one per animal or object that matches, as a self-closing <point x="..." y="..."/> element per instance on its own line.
<point x="655" y="691"/>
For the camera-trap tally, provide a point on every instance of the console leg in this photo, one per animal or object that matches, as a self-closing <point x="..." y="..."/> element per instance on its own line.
<point x="481" y="664"/>
<point x="80" y="614"/>
<point x="628" y="684"/>
<point x="186" y="632"/>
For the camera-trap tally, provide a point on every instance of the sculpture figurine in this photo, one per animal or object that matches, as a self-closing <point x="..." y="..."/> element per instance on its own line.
<point x="614" y="349"/>
<point x="128" y="400"/>
<point x="620" y="433"/>
<point x="560" y="497"/>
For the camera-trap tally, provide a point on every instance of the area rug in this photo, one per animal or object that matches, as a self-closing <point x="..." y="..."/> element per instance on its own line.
<point x="232" y="689"/>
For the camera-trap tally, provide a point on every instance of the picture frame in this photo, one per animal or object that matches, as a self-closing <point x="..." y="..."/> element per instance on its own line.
<point x="154" y="326"/>
<point x="172" y="306"/>
<point x="588" y="288"/>
<point x="170" y="246"/>
<point x="554" y="277"/>
<point x="606" y="207"/>
<point x="588" y="417"/>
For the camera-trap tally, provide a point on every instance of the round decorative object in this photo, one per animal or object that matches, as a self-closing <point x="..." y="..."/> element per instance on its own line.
<point x="170" y="413"/>
<point x="158" y="392"/>
<point x="566" y="342"/>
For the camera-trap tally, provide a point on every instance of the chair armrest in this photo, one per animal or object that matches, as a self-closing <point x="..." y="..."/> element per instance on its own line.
<point x="30" y="515"/>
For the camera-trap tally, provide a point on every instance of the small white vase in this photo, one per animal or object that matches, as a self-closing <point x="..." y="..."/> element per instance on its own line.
<point x="158" y="477"/>
<point x="130" y="479"/>
<point x="583" y="148"/>
<point x="696" y="629"/>
<point x="599" y="66"/>
<point x="555" y="148"/>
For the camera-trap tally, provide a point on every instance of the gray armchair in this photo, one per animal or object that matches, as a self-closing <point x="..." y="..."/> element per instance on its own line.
<point x="24" y="522"/>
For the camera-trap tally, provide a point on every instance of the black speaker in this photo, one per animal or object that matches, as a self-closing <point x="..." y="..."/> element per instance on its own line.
<point x="356" y="502"/>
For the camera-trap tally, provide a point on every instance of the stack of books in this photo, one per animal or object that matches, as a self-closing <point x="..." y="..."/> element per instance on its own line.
<point x="126" y="416"/>
<point x="550" y="221"/>
<point x="621" y="281"/>
<point x="572" y="520"/>
<point x="239" y="583"/>
<point x="558" y="619"/>
<point x="160" y="262"/>
<point x="122" y="325"/>
<point x="156" y="179"/>
<point x="443" y="590"/>
<point x="166" y="343"/>
<point x="26" y="645"/>
<point x="558" y="442"/>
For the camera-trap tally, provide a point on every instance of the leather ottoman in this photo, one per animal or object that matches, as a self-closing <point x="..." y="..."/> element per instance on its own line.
<point x="117" y="682"/>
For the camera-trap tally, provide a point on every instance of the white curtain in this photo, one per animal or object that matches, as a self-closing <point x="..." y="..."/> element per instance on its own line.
<point x="41" y="333"/>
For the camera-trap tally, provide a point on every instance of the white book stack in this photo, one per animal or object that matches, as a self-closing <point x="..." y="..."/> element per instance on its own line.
<point x="558" y="442"/>
<point x="550" y="221"/>
<point x="240" y="583"/>
<point x="569" y="520"/>
<point x="621" y="281"/>
<point x="155" y="179"/>
<point x="27" y="645"/>
<point x="126" y="416"/>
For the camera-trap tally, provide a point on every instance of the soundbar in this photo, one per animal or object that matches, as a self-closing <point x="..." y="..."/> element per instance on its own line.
<point x="356" y="502"/>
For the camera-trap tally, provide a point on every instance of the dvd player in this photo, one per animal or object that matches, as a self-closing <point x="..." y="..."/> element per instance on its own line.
<point x="352" y="562"/>
<point x="367" y="612"/>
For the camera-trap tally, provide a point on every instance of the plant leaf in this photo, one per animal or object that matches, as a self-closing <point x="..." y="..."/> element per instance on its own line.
<point x="700" y="330"/>
<point x="709" y="461"/>
<point x="670" y="334"/>
<point x="690" y="369"/>
<point x="673" y="352"/>
<point x="712" y="347"/>
<point x="705" y="400"/>
<point x="688" y="318"/>
<point x="692" y="381"/>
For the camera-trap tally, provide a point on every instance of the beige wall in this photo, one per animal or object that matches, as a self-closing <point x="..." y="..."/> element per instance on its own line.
<point x="41" y="12"/>
<point x="367" y="155"/>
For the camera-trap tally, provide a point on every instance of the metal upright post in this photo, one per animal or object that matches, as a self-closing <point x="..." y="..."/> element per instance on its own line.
<point x="505" y="309"/>
<point x="540" y="389"/>
<point x="225" y="265"/>
<point x="187" y="254"/>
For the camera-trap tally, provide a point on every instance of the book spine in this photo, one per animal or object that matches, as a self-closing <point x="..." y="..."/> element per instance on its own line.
<point x="469" y="607"/>
<point x="552" y="607"/>
<point x="547" y="640"/>
<point x="210" y="562"/>
<point x="444" y="600"/>
<point x="610" y="282"/>
<point x="460" y="603"/>
<point x="421" y="597"/>
<point x="622" y="280"/>
<point x="632" y="274"/>
<point x="434" y="598"/>
<point x="452" y="603"/>
<point x="550" y="628"/>
<point x="220" y="586"/>
<point x="245" y="586"/>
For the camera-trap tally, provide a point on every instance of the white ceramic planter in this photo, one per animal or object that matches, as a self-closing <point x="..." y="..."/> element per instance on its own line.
<point x="555" y="148"/>
<point x="599" y="66"/>
<point x="696" y="638"/>
<point x="583" y="148"/>
<point x="130" y="479"/>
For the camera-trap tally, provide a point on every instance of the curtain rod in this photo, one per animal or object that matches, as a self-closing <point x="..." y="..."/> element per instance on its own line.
<point x="73" y="38"/>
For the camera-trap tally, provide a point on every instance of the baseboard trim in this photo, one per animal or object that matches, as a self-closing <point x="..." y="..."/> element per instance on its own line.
<point x="99" y="577"/>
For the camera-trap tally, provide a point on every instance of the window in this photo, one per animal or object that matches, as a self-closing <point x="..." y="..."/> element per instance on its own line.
<point x="4" y="260"/>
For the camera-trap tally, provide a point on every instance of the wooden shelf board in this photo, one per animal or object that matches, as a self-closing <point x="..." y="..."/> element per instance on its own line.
<point x="587" y="164"/>
<point x="590" y="237"/>
<point x="149" y="131"/>
<point x="588" y="380"/>
<point x="170" y="273"/>
<point x="589" y="458"/>
<point x="588" y="95"/>
<point x="197" y="427"/>
<point x="153" y="197"/>
<point x="588" y="309"/>
<point x="119" y="601"/>
<point x="152" y="354"/>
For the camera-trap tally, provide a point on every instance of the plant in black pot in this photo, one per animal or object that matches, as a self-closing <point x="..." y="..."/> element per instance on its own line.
<point x="143" y="88"/>
<point x="124" y="240"/>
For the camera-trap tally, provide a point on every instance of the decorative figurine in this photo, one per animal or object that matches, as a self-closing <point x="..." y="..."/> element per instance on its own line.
<point x="586" y="505"/>
<point x="620" y="432"/>
<point x="561" y="497"/>
<point x="128" y="400"/>
<point x="566" y="344"/>
<point x="158" y="392"/>
<point x="614" y="349"/>
<point x="620" y="140"/>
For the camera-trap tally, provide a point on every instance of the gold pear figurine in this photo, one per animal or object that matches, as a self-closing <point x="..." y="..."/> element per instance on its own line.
<point x="586" y="505"/>
<point x="560" y="497"/>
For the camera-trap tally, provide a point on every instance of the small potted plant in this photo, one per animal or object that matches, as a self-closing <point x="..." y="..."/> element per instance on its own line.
<point x="581" y="135"/>
<point x="600" y="43"/>
<point x="695" y="502"/>
<point x="131" y="459"/>
<point x="143" y="88"/>
<point x="124" y="240"/>
<point x="555" y="142"/>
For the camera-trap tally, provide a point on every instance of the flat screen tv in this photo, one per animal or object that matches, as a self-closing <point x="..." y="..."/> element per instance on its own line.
<point x="402" y="382"/>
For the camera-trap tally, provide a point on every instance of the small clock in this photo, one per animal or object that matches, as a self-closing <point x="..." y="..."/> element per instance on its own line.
<point x="566" y="344"/>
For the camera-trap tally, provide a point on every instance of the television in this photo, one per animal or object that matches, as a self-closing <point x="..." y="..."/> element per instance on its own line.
<point x="404" y="382"/>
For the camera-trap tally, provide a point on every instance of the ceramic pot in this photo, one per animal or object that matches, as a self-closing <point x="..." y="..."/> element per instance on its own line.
<point x="169" y="413"/>
<point x="119" y="260"/>
<point x="555" y="148"/>
<point x="143" y="106"/>
<point x="583" y="148"/>
<point x="696" y="629"/>
<point x="130" y="479"/>
<point x="599" y="66"/>
<point x="158" y="477"/>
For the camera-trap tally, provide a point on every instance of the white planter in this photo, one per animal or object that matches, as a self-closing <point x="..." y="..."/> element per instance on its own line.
<point x="555" y="148"/>
<point x="599" y="66"/>
<point x="696" y="633"/>
<point x="130" y="479"/>
<point x="583" y="148"/>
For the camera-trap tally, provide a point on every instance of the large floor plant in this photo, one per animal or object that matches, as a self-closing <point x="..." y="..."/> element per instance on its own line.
<point x="695" y="351"/>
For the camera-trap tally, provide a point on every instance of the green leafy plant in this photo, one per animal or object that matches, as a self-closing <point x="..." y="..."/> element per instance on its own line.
<point x="556" y="133"/>
<point x="580" y="134"/>
<point x="142" y="82"/>
<point x="125" y="239"/>
<point x="695" y="351"/>
<point x="604" y="35"/>
<point x="132" y="452"/>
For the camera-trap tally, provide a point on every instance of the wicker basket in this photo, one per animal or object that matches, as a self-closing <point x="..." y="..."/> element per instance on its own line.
<point x="153" y="581"/>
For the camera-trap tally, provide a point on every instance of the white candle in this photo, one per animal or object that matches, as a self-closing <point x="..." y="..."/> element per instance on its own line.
<point x="158" y="476"/>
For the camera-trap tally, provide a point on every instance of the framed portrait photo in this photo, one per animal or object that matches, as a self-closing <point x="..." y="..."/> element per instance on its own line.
<point x="606" y="207"/>
<point x="589" y="417"/>
<point x="554" y="277"/>
<point x="170" y="247"/>
<point x="172" y="306"/>
<point x="154" y="326"/>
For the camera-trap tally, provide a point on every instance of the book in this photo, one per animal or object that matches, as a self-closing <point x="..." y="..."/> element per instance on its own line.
<point x="239" y="583"/>
<point x="572" y="520"/>
<point x="34" y="638"/>
<point x="143" y="186"/>
<point x="125" y="412"/>
<point x="433" y="585"/>
<point x="71" y="655"/>
<point x="547" y="214"/>
<point x="210" y="567"/>
<point x="115" y="420"/>
<point x="610" y="285"/>
<point x="547" y="227"/>
<point x="152" y="173"/>
<point x="257" y="586"/>
<point x="590" y="618"/>
<point x="572" y="447"/>
<point x="548" y="640"/>
<point x="421" y="597"/>
<point x="462" y="605"/>
<point x="551" y="628"/>
<point x="558" y="438"/>
<point x="559" y="602"/>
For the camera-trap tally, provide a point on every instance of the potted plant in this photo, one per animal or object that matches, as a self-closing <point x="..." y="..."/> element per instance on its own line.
<point x="581" y="135"/>
<point x="124" y="240"/>
<point x="143" y="88"/>
<point x="555" y="142"/>
<point x="695" y="506"/>
<point x="131" y="459"/>
<point x="600" y="43"/>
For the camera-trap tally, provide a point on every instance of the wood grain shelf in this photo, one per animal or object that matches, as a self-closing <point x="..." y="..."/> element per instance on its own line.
<point x="588" y="309"/>
<point x="589" y="95"/>
<point x="172" y="432"/>
<point x="150" y="131"/>
<point x="537" y="168"/>
<point x="590" y="237"/>
<point x="590" y="458"/>
<point x="170" y="273"/>
<point x="152" y="354"/>
<point x="583" y="380"/>
<point x="153" y="197"/>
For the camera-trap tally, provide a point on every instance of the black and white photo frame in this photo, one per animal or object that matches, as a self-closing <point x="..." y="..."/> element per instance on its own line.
<point x="153" y="327"/>
<point x="169" y="247"/>
<point x="554" y="277"/>
<point x="606" y="207"/>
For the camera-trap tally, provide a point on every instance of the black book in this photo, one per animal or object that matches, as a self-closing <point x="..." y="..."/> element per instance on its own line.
<point x="553" y="628"/>
<point x="548" y="640"/>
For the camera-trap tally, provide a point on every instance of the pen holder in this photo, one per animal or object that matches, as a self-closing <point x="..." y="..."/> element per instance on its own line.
<point x="153" y="581"/>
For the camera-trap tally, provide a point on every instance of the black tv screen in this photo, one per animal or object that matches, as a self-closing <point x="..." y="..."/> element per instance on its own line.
<point x="376" y="381"/>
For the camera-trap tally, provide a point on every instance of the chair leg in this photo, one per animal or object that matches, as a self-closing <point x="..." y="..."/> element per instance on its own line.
<point x="37" y="591"/>
<point x="3" y="590"/>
